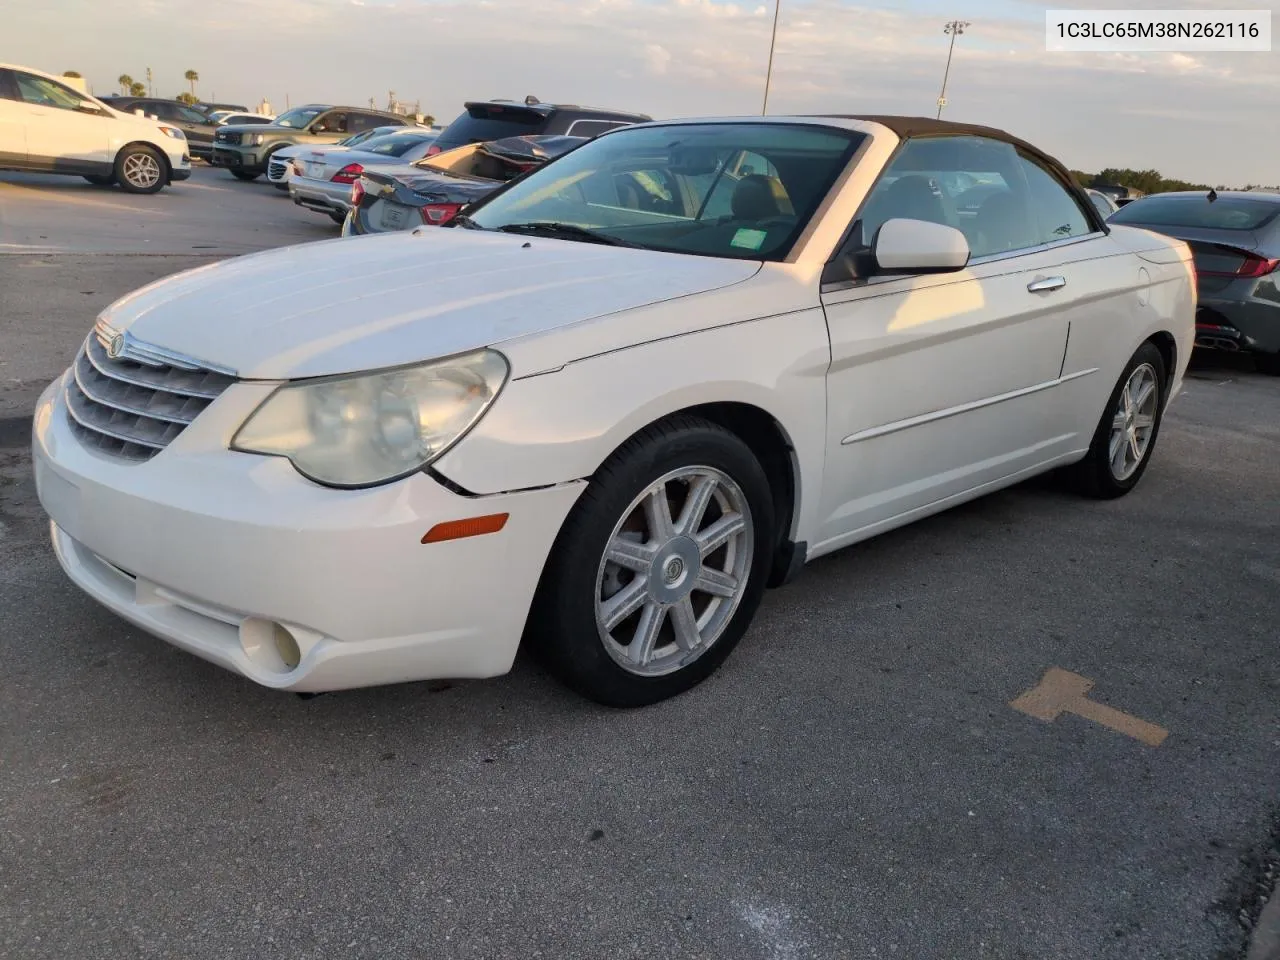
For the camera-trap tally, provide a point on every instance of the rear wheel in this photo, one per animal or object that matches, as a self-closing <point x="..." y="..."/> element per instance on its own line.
<point x="1268" y="363"/>
<point x="99" y="180"/>
<point x="1126" y="434"/>
<point x="245" y="175"/>
<point x="140" y="169"/>
<point x="659" y="568"/>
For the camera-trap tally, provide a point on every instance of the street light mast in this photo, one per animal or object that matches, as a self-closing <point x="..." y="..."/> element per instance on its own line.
<point x="954" y="29"/>
<point x="777" y="6"/>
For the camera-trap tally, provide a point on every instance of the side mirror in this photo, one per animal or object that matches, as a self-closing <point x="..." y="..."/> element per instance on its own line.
<point x="86" y="106"/>
<point x="917" y="246"/>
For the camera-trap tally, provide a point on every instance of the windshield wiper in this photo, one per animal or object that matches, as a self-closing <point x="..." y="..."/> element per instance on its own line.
<point x="565" y="231"/>
<point x="462" y="221"/>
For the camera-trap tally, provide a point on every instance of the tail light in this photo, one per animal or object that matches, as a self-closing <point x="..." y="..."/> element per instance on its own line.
<point x="437" y="214"/>
<point x="357" y="192"/>
<point x="348" y="174"/>
<point x="1251" y="267"/>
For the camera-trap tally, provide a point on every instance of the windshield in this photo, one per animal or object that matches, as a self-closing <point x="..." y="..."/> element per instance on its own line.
<point x="741" y="190"/>
<point x="298" y="118"/>
<point x="1225" y="213"/>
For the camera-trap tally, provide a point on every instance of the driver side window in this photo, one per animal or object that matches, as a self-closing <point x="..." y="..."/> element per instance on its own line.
<point x="45" y="93"/>
<point x="332" y="123"/>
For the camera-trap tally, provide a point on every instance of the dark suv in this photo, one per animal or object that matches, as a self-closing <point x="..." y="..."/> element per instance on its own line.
<point x="486" y="120"/>
<point x="198" y="127"/>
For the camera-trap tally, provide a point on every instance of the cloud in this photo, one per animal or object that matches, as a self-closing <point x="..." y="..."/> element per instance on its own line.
<point x="656" y="58"/>
<point x="688" y="57"/>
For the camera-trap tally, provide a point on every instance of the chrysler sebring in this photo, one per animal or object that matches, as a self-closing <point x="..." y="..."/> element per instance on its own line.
<point x="606" y="407"/>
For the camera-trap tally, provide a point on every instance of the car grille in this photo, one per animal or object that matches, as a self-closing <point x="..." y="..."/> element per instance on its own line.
<point x="277" y="169"/>
<point x="133" y="407"/>
<point x="226" y="137"/>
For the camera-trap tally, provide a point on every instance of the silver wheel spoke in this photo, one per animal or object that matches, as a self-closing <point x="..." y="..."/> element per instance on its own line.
<point x="1143" y="420"/>
<point x="685" y="625"/>
<point x="1144" y="392"/>
<point x="695" y="506"/>
<point x="716" y="535"/>
<point x="630" y="555"/>
<point x="716" y="582"/>
<point x="1119" y="420"/>
<point x="646" y="636"/>
<point x="1135" y="449"/>
<point x="657" y="512"/>
<point x="623" y="603"/>
<point x="1119" y="443"/>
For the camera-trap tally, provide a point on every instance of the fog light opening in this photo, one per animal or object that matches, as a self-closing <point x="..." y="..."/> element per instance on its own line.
<point x="270" y="645"/>
<point x="287" y="647"/>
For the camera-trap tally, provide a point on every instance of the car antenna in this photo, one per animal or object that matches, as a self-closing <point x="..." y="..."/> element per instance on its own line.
<point x="531" y="101"/>
<point x="1213" y="194"/>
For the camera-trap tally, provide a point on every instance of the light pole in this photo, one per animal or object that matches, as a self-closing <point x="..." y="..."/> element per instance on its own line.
<point x="954" y="28"/>
<point x="777" y="6"/>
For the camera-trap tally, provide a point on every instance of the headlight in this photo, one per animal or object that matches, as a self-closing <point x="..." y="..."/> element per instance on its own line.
<point x="251" y="139"/>
<point x="363" y="430"/>
<point x="172" y="132"/>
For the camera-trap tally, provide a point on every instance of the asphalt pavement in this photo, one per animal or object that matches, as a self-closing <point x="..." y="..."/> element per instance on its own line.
<point x="854" y="783"/>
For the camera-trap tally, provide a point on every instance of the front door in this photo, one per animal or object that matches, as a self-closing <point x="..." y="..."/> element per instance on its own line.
<point x="942" y="384"/>
<point x="60" y="135"/>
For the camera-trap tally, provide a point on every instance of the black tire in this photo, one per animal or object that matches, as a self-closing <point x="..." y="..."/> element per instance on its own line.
<point x="99" y="180"/>
<point x="338" y="218"/>
<point x="562" y="627"/>
<point x="1268" y="363"/>
<point x="141" y="169"/>
<point x="1094" y="475"/>
<point x="245" y="174"/>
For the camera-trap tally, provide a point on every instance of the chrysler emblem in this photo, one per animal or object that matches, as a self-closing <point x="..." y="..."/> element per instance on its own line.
<point x="116" y="346"/>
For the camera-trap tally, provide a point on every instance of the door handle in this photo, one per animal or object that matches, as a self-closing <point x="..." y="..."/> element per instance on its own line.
<point x="1046" y="283"/>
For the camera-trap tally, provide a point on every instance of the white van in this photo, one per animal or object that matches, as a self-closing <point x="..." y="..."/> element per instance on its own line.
<point x="47" y="126"/>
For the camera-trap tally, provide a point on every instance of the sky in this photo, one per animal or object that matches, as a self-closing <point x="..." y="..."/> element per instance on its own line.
<point x="1207" y="117"/>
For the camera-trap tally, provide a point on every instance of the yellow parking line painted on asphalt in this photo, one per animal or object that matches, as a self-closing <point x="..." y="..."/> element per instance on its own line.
<point x="48" y="194"/>
<point x="1061" y="691"/>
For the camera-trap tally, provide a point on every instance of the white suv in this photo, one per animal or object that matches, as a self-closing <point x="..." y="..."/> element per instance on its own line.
<point x="48" y="127"/>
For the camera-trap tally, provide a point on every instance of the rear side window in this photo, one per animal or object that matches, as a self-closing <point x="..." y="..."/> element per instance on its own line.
<point x="8" y="89"/>
<point x="393" y="146"/>
<point x="357" y="122"/>
<point x="592" y="128"/>
<point x="481" y="124"/>
<point x="1225" y="213"/>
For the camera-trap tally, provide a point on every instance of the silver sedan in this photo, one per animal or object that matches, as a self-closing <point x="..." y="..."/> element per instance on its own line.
<point x="322" y="177"/>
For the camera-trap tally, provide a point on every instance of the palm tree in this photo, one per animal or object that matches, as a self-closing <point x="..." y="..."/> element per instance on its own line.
<point x="191" y="78"/>
<point x="126" y="83"/>
<point x="138" y="89"/>
<point x="73" y="74"/>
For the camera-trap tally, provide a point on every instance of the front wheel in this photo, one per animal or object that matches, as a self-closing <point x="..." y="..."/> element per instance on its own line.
<point x="245" y="175"/>
<point x="140" y="169"/>
<point x="659" y="568"/>
<point x="1126" y="434"/>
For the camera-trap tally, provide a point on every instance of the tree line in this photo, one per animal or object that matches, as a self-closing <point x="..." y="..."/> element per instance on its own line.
<point x="1149" y="181"/>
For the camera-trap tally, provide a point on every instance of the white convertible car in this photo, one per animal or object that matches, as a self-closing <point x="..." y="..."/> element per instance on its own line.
<point x="607" y="408"/>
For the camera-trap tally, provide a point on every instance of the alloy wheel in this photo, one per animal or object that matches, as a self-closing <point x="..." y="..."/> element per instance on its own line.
<point x="141" y="170"/>
<point x="674" y="571"/>
<point x="1133" y="421"/>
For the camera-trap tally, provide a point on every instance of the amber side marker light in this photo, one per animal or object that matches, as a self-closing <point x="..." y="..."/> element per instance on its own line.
<point x="471" y="527"/>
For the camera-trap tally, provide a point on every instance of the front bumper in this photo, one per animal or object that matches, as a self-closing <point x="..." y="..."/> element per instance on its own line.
<point x="212" y="550"/>
<point x="234" y="158"/>
<point x="322" y="195"/>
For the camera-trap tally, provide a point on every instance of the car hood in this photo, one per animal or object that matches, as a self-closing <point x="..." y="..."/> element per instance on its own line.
<point x="340" y="306"/>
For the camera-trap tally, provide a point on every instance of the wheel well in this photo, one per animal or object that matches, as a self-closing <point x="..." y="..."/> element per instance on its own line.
<point x="1168" y="348"/>
<point x="768" y="441"/>
<point x="164" y="157"/>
